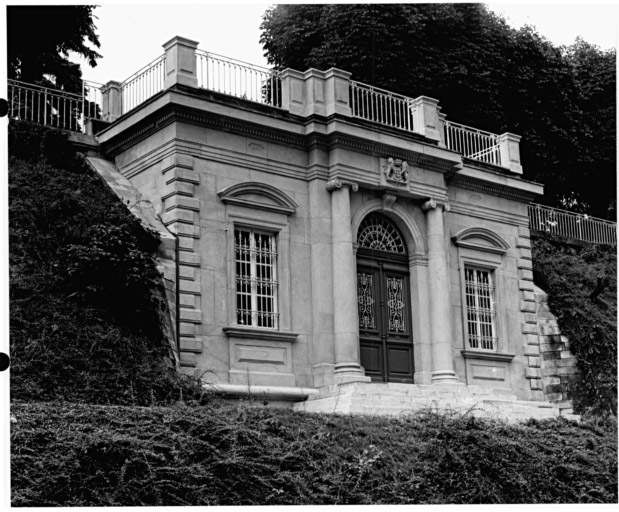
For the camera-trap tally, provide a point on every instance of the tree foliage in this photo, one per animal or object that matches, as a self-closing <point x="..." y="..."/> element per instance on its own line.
<point x="41" y="38"/>
<point x="484" y="73"/>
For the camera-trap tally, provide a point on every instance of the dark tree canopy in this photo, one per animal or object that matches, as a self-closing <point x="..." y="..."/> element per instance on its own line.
<point x="40" y="39"/>
<point x="484" y="73"/>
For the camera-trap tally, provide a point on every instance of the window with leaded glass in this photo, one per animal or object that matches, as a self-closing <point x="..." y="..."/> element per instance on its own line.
<point x="256" y="278"/>
<point x="480" y="308"/>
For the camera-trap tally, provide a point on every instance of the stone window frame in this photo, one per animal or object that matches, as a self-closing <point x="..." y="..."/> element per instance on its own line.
<point x="256" y="260"/>
<point x="493" y="323"/>
<point x="270" y="223"/>
<point x="482" y="249"/>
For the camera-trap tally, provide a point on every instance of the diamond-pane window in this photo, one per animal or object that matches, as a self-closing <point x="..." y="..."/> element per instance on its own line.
<point x="480" y="309"/>
<point x="377" y="232"/>
<point x="256" y="279"/>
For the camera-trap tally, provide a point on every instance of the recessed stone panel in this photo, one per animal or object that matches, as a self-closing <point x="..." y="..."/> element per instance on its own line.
<point x="260" y="355"/>
<point x="484" y="372"/>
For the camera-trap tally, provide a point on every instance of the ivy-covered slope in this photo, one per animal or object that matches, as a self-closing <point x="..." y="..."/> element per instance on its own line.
<point x="232" y="454"/>
<point x="581" y="284"/>
<point x="84" y="321"/>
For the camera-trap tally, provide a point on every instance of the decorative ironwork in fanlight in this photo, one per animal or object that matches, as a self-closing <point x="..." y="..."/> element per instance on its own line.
<point x="376" y="232"/>
<point x="395" y="304"/>
<point x="365" y="293"/>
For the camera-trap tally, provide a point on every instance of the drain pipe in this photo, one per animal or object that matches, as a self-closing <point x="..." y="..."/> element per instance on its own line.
<point x="177" y="299"/>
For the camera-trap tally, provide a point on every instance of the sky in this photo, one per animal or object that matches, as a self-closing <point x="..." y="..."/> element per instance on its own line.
<point x="132" y="34"/>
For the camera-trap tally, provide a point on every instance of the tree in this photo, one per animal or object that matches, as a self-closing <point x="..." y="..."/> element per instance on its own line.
<point x="594" y="73"/>
<point x="40" y="39"/>
<point x="484" y="73"/>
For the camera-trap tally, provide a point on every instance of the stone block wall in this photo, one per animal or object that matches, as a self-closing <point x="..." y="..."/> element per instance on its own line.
<point x="559" y="373"/>
<point x="181" y="210"/>
<point x="533" y="372"/>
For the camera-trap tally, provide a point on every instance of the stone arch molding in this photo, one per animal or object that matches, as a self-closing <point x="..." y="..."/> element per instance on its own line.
<point x="261" y="196"/>
<point x="401" y="218"/>
<point x="481" y="239"/>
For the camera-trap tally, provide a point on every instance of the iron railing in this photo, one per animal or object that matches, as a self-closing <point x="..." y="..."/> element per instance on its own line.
<point x="143" y="84"/>
<point x="572" y="225"/>
<point x="473" y="143"/>
<point x="381" y="106"/>
<point x="51" y="107"/>
<point x="242" y="80"/>
<point x="238" y="78"/>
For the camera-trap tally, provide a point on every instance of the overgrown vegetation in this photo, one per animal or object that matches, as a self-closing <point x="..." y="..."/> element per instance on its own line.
<point x="74" y="455"/>
<point x="582" y="293"/>
<point x="84" y="300"/>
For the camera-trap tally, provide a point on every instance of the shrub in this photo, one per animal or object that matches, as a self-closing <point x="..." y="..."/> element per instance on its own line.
<point x="84" y="299"/>
<point x="570" y="275"/>
<point x="227" y="454"/>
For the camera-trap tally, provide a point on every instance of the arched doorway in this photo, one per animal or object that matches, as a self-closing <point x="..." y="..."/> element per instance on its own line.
<point x="385" y="329"/>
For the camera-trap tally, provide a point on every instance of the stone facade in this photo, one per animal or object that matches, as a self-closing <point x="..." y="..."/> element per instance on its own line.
<point x="317" y="249"/>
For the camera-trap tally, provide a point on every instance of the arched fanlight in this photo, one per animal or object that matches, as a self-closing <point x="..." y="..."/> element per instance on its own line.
<point x="378" y="232"/>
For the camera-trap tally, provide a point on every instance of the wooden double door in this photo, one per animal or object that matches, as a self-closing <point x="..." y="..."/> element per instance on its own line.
<point x="385" y="330"/>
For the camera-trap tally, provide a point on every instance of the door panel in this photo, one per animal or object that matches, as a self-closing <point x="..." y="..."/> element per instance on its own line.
<point x="372" y="359"/>
<point x="386" y="346"/>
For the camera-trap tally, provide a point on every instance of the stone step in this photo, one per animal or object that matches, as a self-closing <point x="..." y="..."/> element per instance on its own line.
<point x="403" y="399"/>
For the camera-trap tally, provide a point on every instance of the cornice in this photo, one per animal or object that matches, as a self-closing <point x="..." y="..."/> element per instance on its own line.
<point x="171" y="113"/>
<point x="481" y="211"/>
<point x="469" y="183"/>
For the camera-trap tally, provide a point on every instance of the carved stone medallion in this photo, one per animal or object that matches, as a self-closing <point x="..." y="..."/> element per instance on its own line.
<point x="396" y="171"/>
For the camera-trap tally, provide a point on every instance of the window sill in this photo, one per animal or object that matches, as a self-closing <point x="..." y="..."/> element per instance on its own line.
<point x="256" y="333"/>
<point x="487" y="356"/>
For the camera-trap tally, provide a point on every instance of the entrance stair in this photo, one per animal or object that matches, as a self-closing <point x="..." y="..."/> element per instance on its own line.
<point x="401" y="399"/>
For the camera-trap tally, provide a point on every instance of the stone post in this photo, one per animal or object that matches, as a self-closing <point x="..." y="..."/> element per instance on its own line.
<point x="441" y="122"/>
<point x="337" y="92"/>
<point x="346" y="327"/>
<point x="293" y="97"/>
<point x="316" y="92"/>
<point x="426" y="117"/>
<point x="509" y="147"/>
<point x="438" y="284"/>
<point x="111" y="101"/>
<point x="180" y="62"/>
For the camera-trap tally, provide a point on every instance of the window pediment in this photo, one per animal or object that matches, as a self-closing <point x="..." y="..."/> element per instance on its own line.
<point x="481" y="239"/>
<point x="259" y="196"/>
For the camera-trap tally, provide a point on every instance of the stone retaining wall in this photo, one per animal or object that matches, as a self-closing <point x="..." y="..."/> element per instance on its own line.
<point x="560" y="374"/>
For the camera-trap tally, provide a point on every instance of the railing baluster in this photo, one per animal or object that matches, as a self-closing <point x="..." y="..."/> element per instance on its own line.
<point x="572" y="225"/>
